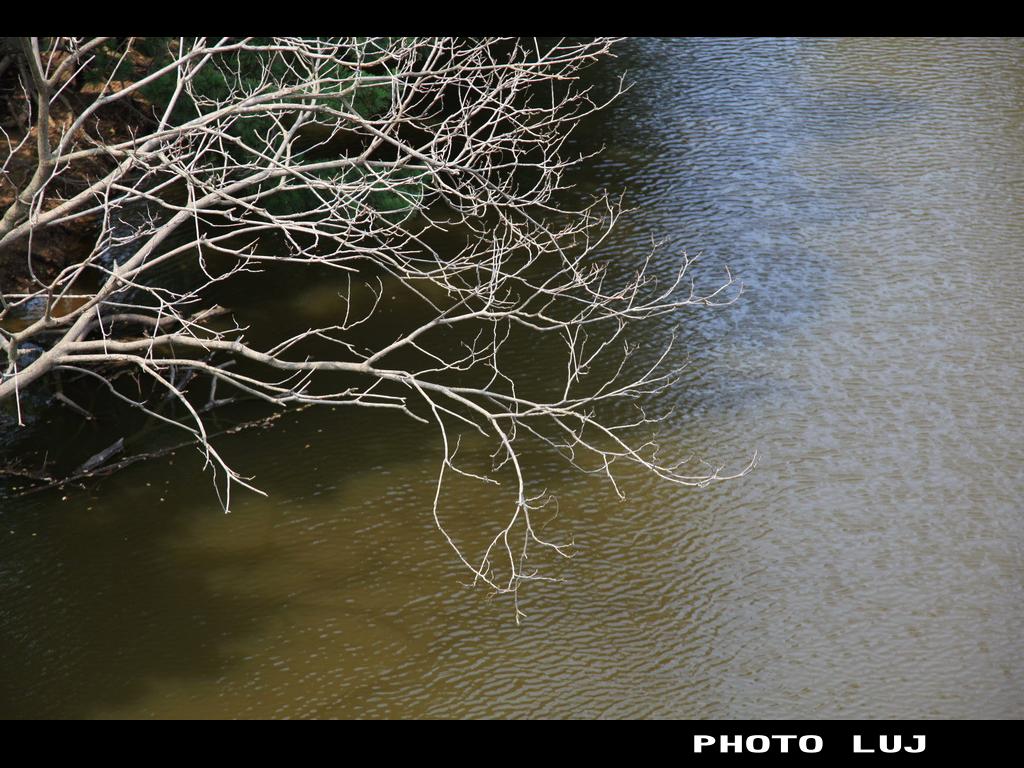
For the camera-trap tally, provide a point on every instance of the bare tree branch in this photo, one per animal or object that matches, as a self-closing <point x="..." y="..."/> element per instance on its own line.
<point x="350" y="155"/>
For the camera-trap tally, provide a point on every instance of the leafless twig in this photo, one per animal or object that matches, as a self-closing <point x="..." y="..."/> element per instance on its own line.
<point x="463" y="135"/>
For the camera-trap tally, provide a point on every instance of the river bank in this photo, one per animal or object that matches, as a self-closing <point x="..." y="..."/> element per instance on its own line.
<point x="55" y="247"/>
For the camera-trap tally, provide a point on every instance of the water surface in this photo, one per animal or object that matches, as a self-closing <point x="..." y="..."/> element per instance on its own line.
<point x="869" y="196"/>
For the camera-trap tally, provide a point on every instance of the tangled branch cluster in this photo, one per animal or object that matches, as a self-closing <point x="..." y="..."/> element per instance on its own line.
<point x="347" y="154"/>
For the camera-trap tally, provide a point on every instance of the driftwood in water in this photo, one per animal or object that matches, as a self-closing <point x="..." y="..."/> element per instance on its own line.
<point x="46" y="482"/>
<point x="102" y="457"/>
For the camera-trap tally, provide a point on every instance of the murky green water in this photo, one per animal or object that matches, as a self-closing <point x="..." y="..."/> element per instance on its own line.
<point x="869" y="195"/>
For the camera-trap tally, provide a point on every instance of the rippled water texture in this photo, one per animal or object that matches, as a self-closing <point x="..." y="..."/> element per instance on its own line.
<point x="869" y="196"/>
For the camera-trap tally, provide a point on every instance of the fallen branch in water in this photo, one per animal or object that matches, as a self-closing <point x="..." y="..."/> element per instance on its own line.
<point x="47" y="482"/>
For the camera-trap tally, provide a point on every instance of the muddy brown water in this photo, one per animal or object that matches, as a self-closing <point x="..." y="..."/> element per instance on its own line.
<point x="869" y="194"/>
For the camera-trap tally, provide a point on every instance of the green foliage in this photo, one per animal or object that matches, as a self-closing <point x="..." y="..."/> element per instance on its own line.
<point x="246" y="72"/>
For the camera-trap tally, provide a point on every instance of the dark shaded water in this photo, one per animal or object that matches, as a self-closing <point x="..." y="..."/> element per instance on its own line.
<point x="869" y="195"/>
